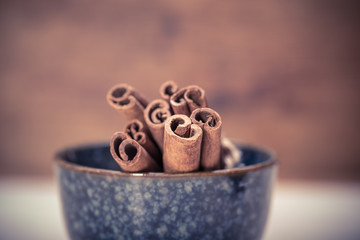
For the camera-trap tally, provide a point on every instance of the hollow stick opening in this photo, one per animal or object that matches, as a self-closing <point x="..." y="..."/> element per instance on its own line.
<point x="135" y="130"/>
<point x="130" y="155"/>
<point x="211" y="124"/>
<point x="155" y="115"/>
<point x="195" y="97"/>
<point x="182" y="145"/>
<point x="167" y="89"/>
<point x="178" y="103"/>
<point x="124" y="99"/>
<point x="187" y="99"/>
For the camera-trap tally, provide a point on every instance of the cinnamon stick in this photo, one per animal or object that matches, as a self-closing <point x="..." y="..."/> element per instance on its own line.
<point x="182" y="145"/>
<point x="195" y="97"/>
<point x="211" y="124"/>
<point x="187" y="99"/>
<point x="135" y="130"/>
<point x="155" y="115"/>
<point x="167" y="89"/>
<point x="127" y="101"/>
<point x="130" y="155"/>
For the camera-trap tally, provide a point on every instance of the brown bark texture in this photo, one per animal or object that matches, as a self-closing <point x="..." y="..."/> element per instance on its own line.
<point x="130" y="155"/>
<point x="135" y="130"/>
<point x="211" y="124"/>
<point x="167" y="89"/>
<point x="155" y="115"/>
<point x="187" y="99"/>
<point x="127" y="101"/>
<point x="182" y="145"/>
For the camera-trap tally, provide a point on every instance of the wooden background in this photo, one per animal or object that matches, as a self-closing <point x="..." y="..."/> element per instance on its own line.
<point x="281" y="73"/>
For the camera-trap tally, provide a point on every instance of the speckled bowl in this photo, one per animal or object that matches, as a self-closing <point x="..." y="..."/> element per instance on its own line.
<point x="101" y="202"/>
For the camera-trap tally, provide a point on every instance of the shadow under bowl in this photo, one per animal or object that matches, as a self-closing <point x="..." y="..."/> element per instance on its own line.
<point x="101" y="202"/>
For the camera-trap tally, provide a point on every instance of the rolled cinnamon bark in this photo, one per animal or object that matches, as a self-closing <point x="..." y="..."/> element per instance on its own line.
<point x="182" y="145"/>
<point x="178" y="103"/>
<point x="155" y="115"/>
<point x="210" y="122"/>
<point x="127" y="101"/>
<point x="187" y="99"/>
<point x="167" y="89"/>
<point x="195" y="98"/>
<point x="130" y="155"/>
<point x="135" y="130"/>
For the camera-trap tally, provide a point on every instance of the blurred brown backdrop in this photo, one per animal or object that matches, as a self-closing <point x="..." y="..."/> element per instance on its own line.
<point x="281" y="73"/>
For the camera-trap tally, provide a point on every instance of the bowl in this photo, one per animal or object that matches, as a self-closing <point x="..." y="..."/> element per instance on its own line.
<point x="101" y="202"/>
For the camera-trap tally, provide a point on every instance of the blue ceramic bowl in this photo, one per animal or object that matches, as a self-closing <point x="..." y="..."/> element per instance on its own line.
<point x="101" y="202"/>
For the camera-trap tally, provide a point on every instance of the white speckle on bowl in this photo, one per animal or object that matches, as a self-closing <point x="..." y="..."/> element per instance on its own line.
<point x="161" y="230"/>
<point x="188" y="187"/>
<point x="147" y="195"/>
<point x="89" y="192"/>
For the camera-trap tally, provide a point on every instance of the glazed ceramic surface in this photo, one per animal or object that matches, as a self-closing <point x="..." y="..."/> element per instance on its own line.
<point x="101" y="202"/>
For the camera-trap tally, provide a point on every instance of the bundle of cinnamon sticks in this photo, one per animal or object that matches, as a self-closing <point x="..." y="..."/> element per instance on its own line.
<point x="175" y="134"/>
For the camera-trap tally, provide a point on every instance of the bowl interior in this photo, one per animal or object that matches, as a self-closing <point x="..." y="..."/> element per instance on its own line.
<point x="98" y="156"/>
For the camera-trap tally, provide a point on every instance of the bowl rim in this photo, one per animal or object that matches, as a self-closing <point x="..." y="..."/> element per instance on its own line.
<point x="61" y="162"/>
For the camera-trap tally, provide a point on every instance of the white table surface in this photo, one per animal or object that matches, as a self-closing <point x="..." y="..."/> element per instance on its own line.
<point x="29" y="209"/>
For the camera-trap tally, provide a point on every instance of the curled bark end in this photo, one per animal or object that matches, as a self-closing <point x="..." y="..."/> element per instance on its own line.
<point x="211" y="124"/>
<point x="130" y="155"/>
<point x="135" y="130"/>
<point x="155" y="115"/>
<point x="167" y="89"/>
<point x="182" y="145"/>
<point x="127" y="101"/>
<point x="187" y="99"/>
